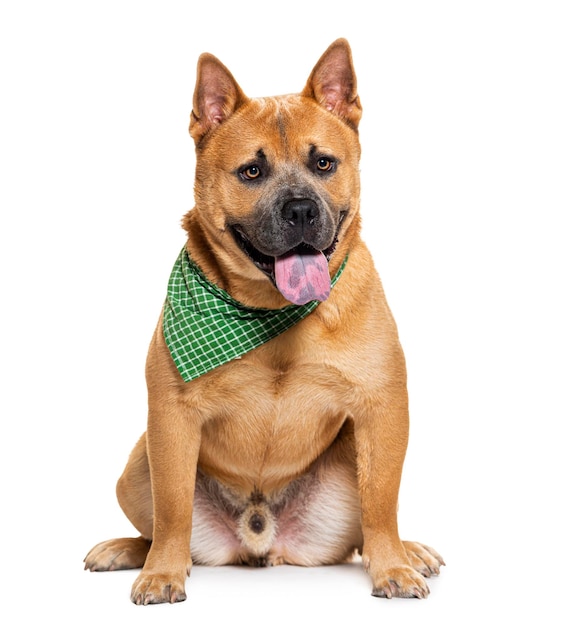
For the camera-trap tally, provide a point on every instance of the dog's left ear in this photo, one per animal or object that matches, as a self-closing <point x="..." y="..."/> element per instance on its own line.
<point x="217" y="96"/>
<point x="332" y="83"/>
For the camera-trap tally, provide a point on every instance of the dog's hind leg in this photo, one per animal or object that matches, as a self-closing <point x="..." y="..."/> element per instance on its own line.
<point x="135" y="497"/>
<point x="134" y="491"/>
<point x="115" y="554"/>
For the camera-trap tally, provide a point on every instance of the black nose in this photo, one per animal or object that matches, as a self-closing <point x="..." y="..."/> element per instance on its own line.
<point x="300" y="212"/>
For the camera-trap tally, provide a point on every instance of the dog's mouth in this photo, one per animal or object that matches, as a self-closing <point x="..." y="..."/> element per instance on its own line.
<point x="301" y="274"/>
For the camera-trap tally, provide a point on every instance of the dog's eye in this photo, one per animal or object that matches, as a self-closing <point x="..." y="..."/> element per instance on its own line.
<point x="251" y="172"/>
<point x="324" y="164"/>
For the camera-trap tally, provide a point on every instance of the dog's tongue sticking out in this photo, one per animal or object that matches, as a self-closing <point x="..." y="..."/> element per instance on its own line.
<point x="302" y="277"/>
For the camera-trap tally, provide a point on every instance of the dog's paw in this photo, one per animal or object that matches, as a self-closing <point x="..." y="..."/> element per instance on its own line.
<point x="158" y="588"/>
<point x="423" y="558"/>
<point x="126" y="553"/>
<point x="400" y="582"/>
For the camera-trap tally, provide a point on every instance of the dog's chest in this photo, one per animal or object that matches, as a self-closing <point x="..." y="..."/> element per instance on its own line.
<point x="268" y="426"/>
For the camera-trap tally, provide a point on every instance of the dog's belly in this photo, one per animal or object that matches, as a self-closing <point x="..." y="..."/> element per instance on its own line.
<point x="314" y="519"/>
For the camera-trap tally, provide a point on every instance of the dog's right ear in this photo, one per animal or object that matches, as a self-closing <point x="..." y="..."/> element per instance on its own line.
<point x="217" y="96"/>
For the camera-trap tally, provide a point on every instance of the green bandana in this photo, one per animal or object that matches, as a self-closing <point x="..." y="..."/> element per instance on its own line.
<point x="204" y="327"/>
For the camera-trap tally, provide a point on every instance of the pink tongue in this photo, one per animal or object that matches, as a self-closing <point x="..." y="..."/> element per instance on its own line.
<point x="303" y="277"/>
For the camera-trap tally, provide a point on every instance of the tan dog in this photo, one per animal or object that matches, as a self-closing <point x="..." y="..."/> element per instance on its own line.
<point x="290" y="452"/>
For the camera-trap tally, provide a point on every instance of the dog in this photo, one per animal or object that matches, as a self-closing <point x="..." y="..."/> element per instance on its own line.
<point x="278" y="411"/>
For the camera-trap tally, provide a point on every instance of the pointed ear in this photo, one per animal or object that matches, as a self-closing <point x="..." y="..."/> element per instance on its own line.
<point x="333" y="83"/>
<point x="217" y="96"/>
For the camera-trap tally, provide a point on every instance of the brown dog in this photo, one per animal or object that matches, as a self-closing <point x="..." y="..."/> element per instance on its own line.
<point x="282" y="440"/>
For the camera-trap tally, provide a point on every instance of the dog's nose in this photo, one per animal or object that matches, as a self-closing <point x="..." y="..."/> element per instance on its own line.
<point x="300" y="212"/>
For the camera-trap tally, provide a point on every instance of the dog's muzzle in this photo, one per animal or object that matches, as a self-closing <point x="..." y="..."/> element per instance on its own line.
<point x="292" y="246"/>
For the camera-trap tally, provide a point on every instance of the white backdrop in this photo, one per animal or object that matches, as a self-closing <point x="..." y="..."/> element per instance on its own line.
<point x="465" y="169"/>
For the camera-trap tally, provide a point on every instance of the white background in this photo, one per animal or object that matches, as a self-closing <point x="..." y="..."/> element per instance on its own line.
<point x="465" y="170"/>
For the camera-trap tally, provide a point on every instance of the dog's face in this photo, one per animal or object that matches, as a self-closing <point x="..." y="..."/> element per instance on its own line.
<point x="277" y="179"/>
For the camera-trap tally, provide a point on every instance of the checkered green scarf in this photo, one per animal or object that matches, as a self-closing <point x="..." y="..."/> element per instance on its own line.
<point x="204" y="327"/>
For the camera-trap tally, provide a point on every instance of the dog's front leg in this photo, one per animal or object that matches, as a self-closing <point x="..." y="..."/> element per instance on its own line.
<point x="381" y="442"/>
<point x="173" y="441"/>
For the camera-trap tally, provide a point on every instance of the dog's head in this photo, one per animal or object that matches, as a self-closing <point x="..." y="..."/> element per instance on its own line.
<point x="277" y="179"/>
